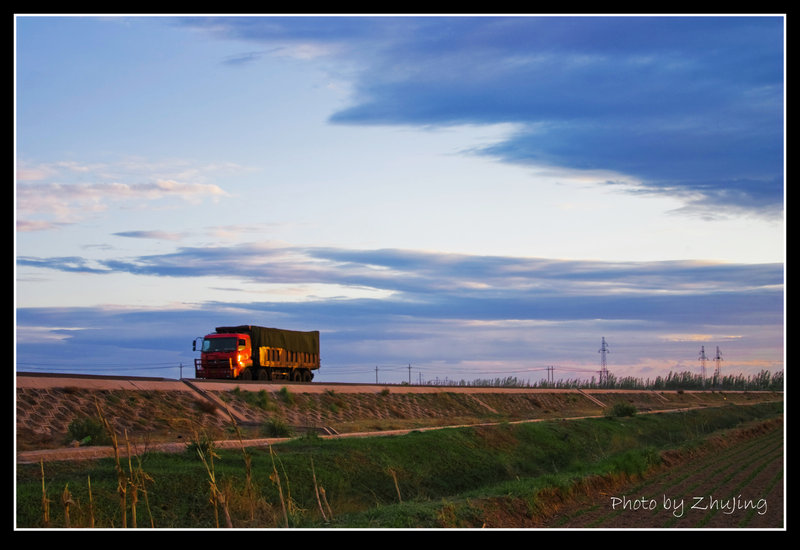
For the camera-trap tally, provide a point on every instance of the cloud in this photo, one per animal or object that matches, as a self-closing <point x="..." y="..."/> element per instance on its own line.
<point x="463" y="316"/>
<point x="24" y="226"/>
<point x="158" y="235"/>
<point x="430" y="285"/>
<point x="243" y="58"/>
<point x="699" y="337"/>
<point x="69" y="264"/>
<point x="691" y="107"/>
<point x="51" y="195"/>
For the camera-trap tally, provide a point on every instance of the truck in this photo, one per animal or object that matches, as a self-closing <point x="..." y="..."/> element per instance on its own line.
<point x="249" y="352"/>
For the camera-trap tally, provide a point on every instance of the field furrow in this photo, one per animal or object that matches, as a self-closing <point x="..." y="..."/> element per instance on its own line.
<point x="737" y="486"/>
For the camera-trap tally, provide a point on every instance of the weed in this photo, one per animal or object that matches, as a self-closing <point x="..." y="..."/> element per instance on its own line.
<point x="87" y="431"/>
<point x="202" y="444"/>
<point x="287" y="396"/>
<point x="45" y="501"/>
<point x="621" y="409"/>
<point x="218" y="497"/>
<point x="275" y="427"/>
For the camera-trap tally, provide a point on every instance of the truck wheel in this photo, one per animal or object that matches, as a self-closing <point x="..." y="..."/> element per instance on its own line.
<point x="246" y="374"/>
<point x="263" y="374"/>
<point x="297" y="376"/>
<point x="307" y="376"/>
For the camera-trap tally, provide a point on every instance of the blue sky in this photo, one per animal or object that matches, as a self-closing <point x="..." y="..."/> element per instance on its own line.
<point x="472" y="196"/>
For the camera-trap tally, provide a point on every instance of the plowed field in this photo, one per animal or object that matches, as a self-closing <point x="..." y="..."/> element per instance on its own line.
<point x="733" y="483"/>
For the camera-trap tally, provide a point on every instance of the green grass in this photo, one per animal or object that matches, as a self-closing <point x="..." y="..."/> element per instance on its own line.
<point x="422" y="479"/>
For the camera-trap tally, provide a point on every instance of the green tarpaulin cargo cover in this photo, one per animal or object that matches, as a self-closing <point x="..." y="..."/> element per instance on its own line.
<point x="292" y="340"/>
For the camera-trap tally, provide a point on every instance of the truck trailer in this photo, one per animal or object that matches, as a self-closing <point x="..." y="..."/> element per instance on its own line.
<point x="249" y="352"/>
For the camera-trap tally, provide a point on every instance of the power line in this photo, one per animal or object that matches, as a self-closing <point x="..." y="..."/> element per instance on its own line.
<point x="98" y="365"/>
<point x="101" y="369"/>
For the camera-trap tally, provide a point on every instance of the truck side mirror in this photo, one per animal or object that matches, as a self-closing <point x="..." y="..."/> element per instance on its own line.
<point x="194" y="345"/>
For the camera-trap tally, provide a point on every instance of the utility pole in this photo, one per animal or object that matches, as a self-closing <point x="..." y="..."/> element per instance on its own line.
<point x="409" y="374"/>
<point x="376" y="374"/>
<point x="717" y="360"/>
<point x="603" y="366"/>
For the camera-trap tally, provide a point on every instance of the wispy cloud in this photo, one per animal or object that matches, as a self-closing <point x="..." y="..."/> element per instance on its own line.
<point x="431" y="285"/>
<point x="55" y="194"/>
<point x="156" y="235"/>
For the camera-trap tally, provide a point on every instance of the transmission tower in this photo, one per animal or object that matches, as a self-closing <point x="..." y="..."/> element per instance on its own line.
<point x="703" y="360"/>
<point x="603" y="366"/>
<point x="717" y="360"/>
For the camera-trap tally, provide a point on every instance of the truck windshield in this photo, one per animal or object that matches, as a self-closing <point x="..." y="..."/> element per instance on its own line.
<point x="219" y="344"/>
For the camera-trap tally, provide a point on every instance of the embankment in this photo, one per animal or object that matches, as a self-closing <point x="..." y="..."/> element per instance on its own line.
<point x="172" y="412"/>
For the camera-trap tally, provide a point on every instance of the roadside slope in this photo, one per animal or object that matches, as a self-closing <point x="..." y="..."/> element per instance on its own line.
<point x="171" y="413"/>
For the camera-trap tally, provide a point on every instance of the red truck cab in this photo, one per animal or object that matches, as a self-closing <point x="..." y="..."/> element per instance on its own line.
<point x="224" y="356"/>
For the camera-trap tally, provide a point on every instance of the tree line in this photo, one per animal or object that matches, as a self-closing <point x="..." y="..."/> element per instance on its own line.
<point x="763" y="381"/>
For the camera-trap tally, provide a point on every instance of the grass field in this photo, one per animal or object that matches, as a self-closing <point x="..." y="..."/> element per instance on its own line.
<point x="545" y="474"/>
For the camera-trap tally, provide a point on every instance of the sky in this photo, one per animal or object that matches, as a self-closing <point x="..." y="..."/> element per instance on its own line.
<point x="442" y="197"/>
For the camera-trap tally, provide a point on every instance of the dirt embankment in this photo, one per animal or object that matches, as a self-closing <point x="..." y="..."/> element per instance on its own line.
<point x="152" y="412"/>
